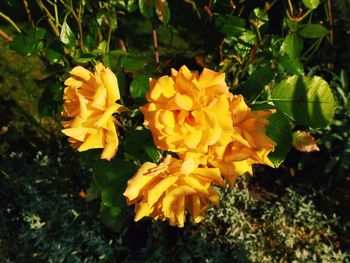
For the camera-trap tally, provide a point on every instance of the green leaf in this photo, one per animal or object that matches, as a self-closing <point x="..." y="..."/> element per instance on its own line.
<point x="89" y="159"/>
<point x="230" y="25"/>
<point x="279" y="130"/>
<point x="121" y="83"/>
<point x="113" y="172"/>
<point x="163" y="11"/>
<point x="245" y="41"/>
<point x="113" y="21"/>
<point x="132" y="63"/>
<point x="292" y="66"/>
<point x="256" y="82"/>
<point x="84" y="58"/>
<point x="102" y="47"/>
<point x="138" y="89"/>
<point x="29" y="42"/>
<point x="50" y="101"/>
<point x="111" y="179"/>
<point x="311" y="4"/>
<point x="92" y="192"/>
<point x="131" y="6"/>
<point x="313" y="31"/>
<point x="111" y="58"/>
<point x="106" y="60"/>
<point x="54" y="52"/>
<point x="293" y="26"/>
<point x="292" y="45"/>
<point x="139" y="144"/>
<point x="307" y="100"/>
<point x="260" y="18"/>
<point x="114" y="217"/>
<point x="147" y="8"/>
<point x="67" y="36"/>
<point x="53" y="56"/>
<point x="101" y="17"/>
<point x="118" y="52"/>
<point x="343" y="79"/>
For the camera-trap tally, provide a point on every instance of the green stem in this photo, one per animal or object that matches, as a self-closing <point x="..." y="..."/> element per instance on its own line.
<point x="312" y="49"/>
<point x="258" y="32"/>
<point x="261" y="102"/>
<point x="109" y="35"/>
<point x="50" y="18"/>
<point x="290" y="7"/>
<point x="303" y="16"/>
<point x="317" y="44"/>
<point x="291" y="16"/>
<point x="56" y="14"/>
<point x="78" y="20"/>
<point x="9" y="20"/>
<point x="268" y="5"/>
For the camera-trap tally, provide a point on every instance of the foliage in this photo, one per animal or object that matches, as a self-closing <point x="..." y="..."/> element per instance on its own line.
<point x="44" y="215"/>
<point x="273" y="60"/>
<point x="42" y="209"/>
<point x="244" y="229"/>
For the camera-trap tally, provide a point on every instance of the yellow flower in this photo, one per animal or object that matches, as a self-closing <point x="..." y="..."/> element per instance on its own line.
<point x="89" y="103"/>
<point x="187" y="111"/>
<point x="246" y="144"/>
<point x="166" y="191"/>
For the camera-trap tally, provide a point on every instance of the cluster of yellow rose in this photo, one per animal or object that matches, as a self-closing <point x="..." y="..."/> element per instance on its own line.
<point x="89" y="103"/>
<point x="213" y="132"/>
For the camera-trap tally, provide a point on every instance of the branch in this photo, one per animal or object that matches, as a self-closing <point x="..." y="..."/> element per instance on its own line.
<point x="9" y="20"/>
<point x="80" y="27"/>
<point x="50" y="18"/>
<point x="6" y="36"/>
<point x="330" y="17"/>
<point x="268" y="5"/>
<point x="155" y="43"/>
<point x="29" y="14"/>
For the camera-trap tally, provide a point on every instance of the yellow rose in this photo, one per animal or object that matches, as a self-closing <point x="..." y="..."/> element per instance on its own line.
<point x="246" y="144"/>
<point x="166" y="191"/>
<point x="187" y="111"/>
<point x="89" y="103"/>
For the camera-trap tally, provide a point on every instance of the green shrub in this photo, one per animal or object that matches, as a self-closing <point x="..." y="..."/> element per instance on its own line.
<point x="244" y="229"/>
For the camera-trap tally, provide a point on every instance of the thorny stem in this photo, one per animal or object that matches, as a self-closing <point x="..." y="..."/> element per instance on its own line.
<point x="155" y="43"/>
<point x="9" y="20"/>
<point x="207" y="8"/>
<point x="121" y="44"/>
<point x="330" y="17"/>
<point x="29" y="15"/>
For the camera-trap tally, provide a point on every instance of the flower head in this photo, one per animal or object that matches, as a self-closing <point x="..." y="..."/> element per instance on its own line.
<point x="182" y="110"/>
<point x="195" y="115"/>
<point x="89" y="103"/>
<point x="245" y="144"/>
<point x="166" y="191"/>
